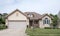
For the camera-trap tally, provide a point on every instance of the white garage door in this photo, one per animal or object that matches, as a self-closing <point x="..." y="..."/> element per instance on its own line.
<point x="17" y="25"/>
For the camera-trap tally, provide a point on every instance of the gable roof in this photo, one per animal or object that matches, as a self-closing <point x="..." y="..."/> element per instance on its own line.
<point x="14" y="12"/>
<point x="46" y="15"/>
<point x="36" y="15"/>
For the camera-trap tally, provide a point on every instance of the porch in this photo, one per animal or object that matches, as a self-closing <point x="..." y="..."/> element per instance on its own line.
<point x="33" y="23"/>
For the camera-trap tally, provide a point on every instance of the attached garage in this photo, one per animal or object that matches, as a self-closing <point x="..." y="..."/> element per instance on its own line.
<point x="17" y="20"/>
<point x="17" y="24"/>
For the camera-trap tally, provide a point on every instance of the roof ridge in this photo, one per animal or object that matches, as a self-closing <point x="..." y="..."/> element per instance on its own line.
<point x="33" y="12"/>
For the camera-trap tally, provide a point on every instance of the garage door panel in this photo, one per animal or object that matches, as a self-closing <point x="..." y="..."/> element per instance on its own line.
<point x="17" y="25"/>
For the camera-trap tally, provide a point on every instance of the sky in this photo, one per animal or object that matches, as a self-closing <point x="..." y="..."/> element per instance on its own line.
<point x="38" y="6"/>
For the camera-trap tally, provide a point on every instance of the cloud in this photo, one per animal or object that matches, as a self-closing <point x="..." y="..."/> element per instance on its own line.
<point x="4" y="2"/>
<point x="40" y="6"/>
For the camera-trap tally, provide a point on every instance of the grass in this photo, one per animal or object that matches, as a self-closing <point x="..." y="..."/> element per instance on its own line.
<point x="43" y="32"/>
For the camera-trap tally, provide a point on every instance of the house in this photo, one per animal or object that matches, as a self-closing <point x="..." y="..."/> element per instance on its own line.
<point x="20" y="20"/>
<point x="38" y="20"/>
<point x="17" y="20"/>
<point x="59" y="20"/>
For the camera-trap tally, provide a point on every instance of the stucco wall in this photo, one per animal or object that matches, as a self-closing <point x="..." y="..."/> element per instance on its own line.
<point x="15" y="17"/>
<point x="27" y="22"/>
<point x="41" y="25"/>
<point x="6" y="22"/>
<point x="58" y="24"/>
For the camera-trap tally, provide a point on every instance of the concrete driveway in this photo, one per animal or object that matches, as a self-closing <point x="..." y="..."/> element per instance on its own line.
<point x="12" y="32"/>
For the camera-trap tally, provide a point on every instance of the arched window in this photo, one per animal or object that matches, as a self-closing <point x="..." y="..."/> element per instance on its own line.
<point x="46" y="21"/>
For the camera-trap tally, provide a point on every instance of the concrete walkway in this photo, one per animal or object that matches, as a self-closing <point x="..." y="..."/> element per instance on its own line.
<point x="12" y="32"/>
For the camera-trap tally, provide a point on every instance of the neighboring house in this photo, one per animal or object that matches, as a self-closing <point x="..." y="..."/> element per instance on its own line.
<point x="59" y="15"/>
<point x="20" y="20"/>
<point x="59" y="20"/>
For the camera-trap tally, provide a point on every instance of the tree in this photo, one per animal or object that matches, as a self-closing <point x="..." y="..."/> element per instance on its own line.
<point x="2" y="21"/>
<point x="54" y="21"/>
<point x="0" y="18"/>
<point x="3" y="17"/>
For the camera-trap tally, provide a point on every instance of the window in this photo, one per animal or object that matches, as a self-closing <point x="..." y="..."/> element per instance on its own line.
<point x="30" y="15"/>
<point x="49" y="22"/>
<point x="46" y="21"/>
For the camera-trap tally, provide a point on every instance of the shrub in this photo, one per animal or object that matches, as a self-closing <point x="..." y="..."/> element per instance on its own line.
<point x="2" y="26"/>
<point x="47" y="27"/>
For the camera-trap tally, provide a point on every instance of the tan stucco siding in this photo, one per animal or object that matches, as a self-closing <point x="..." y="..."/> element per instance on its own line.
<point x="27" y="21"/>
<point x="58" y="24"/>
<point x="41" y="24"/>
<point x="45" y="25"/>
<point x="48" y="18"/>
<point x="17" y="16"/>
<point x="6" y="21"/>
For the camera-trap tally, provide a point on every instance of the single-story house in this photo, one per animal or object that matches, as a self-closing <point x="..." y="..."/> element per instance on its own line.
<point x="20" y="20"/>
<point x="37" y="20"/>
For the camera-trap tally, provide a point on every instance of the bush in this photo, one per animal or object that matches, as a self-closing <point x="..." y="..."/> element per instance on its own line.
<point x="2" y="26"/>
<point x="47" y="27"/>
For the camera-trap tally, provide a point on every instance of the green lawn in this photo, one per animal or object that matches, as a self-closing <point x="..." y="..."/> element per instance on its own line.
<point x="43" y="32"/>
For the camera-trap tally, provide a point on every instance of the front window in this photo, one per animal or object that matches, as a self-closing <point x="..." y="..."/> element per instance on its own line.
<point x="46" y="21"/>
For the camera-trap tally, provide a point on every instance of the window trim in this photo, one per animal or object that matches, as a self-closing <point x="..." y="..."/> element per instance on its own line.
<point x="46" y="21"/>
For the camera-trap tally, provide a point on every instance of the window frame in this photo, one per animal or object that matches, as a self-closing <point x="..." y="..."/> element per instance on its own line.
<point x="46" y="21"/>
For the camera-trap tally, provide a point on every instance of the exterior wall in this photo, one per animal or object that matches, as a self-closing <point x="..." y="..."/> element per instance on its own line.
<point x="28" y="22"/>
<point x="58" y="24"/>
<point x="44" y="25"/>
<point x="6" y="22"/>
<point x="17" y="16"/>
<point x="14" y="16"/>
<point x="41" y="24"/>
<point x="58" y="20"/>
